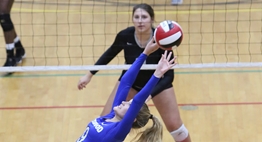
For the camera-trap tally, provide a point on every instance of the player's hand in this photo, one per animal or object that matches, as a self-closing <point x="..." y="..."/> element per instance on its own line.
<point x="84" y="81"/>
<point x="151" y="47"/>
<point x="164" y="64"/>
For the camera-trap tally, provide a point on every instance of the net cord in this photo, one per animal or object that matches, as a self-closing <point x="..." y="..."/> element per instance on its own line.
<point x="124" y="67"/>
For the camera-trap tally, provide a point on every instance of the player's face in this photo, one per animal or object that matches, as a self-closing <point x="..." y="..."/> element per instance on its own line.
<point x="121" y="109"/>
<point x="142" y="20"/>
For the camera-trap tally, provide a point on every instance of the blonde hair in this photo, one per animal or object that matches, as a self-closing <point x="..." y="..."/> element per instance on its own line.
<point x="152" y="134"/>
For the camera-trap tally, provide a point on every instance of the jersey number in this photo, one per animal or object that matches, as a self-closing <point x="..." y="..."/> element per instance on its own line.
<point x="82" y="138"/>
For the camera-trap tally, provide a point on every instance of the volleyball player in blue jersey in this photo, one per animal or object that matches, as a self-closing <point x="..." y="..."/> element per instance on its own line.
<point x="14" y="48"/>
<point x="132" y="41"/>
<point x="124" y="115"/>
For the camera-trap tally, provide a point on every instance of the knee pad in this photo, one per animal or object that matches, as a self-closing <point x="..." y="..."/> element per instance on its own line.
<point x="6" y="22"/>
<point x="180" y="134"/>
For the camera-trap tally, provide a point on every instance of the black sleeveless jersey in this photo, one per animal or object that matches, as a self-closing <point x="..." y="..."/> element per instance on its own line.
<point x="125" y="40"/>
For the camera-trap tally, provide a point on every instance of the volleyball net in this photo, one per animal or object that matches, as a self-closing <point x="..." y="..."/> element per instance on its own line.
<point x="69" y="35"/>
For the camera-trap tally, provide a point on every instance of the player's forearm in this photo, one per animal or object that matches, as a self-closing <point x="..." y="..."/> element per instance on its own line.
<point x="89" y="74"/>
<point x="106" y="58"/>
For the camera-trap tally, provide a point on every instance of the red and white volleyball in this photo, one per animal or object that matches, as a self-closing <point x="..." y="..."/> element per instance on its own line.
<point x="168" y="34"/>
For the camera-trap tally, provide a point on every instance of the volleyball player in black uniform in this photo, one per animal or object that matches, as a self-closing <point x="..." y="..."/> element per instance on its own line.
<point x="125" y="40"/>
<point x="14" y="48"/>
<point x="133" y="40"/>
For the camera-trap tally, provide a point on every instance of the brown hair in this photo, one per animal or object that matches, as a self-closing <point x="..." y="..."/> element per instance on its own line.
<point x="152" y="134"/>
<point x="145" y="7"/>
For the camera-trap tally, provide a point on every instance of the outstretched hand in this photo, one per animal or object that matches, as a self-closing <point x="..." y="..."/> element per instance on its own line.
<point x="151" y="47"/>
<point x="164" y="64"/>
<point x="83" y="81"/>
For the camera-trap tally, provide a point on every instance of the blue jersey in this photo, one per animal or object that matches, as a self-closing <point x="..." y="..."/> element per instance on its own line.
<point x="99" y="130"/>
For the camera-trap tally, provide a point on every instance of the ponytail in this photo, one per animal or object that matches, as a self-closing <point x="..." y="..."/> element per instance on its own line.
<point x="153" y="134"/>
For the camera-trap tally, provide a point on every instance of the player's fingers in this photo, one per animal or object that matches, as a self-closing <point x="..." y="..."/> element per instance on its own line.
<point x="165" y="54"/>
<point x="78" y="85"/>
<point x="156" y="45"/>
<point x="172" y="65"/>
<point x="82" y="85"/>
<point x="171" y="61"/>
<point x="151" y="41"/>
<point x="163" y="57"/>
<point x="169" y="56"/>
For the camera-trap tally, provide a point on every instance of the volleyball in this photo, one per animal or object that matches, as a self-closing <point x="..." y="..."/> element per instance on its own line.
<point x="168" y="34"/>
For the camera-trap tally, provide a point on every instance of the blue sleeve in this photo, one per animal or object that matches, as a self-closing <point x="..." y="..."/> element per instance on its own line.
<point x="126" y="123"/>
<point x="128" y="79"/>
